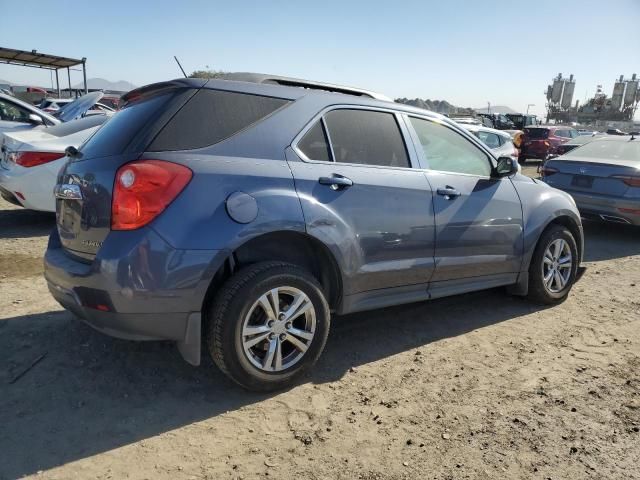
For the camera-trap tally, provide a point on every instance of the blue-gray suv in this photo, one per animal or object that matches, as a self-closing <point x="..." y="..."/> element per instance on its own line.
<point x="242" y="212"/>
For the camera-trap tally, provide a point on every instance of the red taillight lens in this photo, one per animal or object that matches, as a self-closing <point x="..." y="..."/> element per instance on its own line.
<point x="143" y="189"/>
<point x="628" y="179"/>
<point x="548" y="171"/>
<point x="33" y="159"/>
<point x="633" y="211"/>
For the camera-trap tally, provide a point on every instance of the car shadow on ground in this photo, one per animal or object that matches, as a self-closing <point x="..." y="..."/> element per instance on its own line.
<point x="606" y="241"/>
<point x="21" y="223"/>
<point x="91" y="393"/>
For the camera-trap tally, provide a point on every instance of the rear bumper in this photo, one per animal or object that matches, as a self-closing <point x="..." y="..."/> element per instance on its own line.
<point x="599" y="207"/>
<point x="536" y="155"/>
<point x="9" y="196"/>
<point x="139" y="289"/>
<point x="35" y="185"/>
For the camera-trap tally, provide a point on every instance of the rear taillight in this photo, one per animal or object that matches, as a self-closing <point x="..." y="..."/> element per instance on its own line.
<point x="33" y="159"/>
<point x="548" y="171"/>
<point x="143" y="189"/>
<point x="630" y="180"/>
<point x="632" y="211"/>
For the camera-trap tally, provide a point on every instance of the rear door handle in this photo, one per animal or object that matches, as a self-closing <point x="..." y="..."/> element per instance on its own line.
<point x="448" y="192"/>
<point x="336" y="181"/>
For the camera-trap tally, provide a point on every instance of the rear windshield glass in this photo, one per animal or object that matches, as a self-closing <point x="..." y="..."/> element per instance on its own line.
<point x="536" y="133"/>
<point x="211" y="116"/>
<point x="606" y="150"/>
<point x="115" y="135"/>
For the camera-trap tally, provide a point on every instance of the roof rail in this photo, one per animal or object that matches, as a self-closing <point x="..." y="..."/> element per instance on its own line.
<point x="296" y="82"/>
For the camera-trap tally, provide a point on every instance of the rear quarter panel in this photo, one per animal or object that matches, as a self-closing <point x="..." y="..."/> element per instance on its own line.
<point x="198" y="218"/>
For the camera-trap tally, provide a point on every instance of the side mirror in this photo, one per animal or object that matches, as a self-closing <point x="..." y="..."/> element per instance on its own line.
<point x="506" y="166"/>
<point x="35" y="119"/>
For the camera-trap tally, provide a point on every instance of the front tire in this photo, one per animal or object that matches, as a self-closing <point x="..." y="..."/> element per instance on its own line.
<point x="268" y="325"/>
<point x="553" y="267"/>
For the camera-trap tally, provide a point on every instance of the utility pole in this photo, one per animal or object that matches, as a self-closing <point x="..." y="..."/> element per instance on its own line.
<point x="488" y="107"/>
<point x="530" y="105"/>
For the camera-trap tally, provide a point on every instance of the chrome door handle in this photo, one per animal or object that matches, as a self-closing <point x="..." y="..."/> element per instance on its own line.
<point x="448" y="192"/>
<point x="336" y="181"/>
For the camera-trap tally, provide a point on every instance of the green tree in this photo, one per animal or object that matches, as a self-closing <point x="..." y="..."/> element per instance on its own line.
<point x="206" y="74"/>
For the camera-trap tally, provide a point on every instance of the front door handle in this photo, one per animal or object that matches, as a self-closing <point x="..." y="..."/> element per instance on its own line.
<point x="336" y="181"/>
<point x="448" y="192"/>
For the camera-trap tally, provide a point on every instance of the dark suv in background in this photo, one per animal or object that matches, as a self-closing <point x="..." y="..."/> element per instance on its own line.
<point x="246" y="212"/>
<point x="540" y="142"/>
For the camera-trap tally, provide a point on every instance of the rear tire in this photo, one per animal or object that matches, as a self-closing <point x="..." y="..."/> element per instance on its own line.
<point x="269" y="324"/>
<point x="553" y="267"/>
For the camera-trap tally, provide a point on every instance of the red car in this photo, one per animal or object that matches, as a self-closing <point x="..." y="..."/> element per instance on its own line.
<point x="540" y="142"/>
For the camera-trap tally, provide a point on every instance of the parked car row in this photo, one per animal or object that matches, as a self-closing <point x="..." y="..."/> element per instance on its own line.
<point x="18" y="115"/>
<point x="501" y="143"/>
<point x="33" y="143"/>
<point x="31" y="159"/>
<point x="244" y="212"/>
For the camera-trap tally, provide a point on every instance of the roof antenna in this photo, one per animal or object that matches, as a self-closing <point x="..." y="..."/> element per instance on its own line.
<point x="178" y="62"/>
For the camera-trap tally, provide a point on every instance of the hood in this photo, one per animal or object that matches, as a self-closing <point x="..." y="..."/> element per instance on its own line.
<point x="79" y="106"/>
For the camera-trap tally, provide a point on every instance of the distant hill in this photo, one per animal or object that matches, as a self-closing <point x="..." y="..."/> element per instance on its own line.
<point x="496" y="109"/>
<point x="438" y="106"/>
<point x="103" y="84"/>
<point x="6" y="82"/>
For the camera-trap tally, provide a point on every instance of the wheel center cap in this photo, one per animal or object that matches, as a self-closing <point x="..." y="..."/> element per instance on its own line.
<point x="279" y="327"/>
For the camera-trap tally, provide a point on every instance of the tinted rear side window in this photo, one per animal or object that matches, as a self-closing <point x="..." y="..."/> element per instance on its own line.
<point x="363" y="136"/>
<point x="211" y="116"/>
<point x="536" y="133"/>
<point x="314" y="143"/>
<point x="114" y="136"/>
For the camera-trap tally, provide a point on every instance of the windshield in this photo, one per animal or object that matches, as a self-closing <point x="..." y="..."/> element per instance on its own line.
<point x="536" y="133"/>
<point x="607" y="150"/>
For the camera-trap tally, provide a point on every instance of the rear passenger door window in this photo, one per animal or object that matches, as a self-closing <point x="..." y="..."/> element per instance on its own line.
<point x="446" y="150"/>
<point x="366" y="137"/>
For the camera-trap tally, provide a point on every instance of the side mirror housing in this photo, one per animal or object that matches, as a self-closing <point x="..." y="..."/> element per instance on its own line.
<point x="506" y="166"/>
<point x="35" y="119"/>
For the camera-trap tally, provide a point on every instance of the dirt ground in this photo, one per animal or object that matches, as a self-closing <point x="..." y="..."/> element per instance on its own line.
<point x="480" y="386"/>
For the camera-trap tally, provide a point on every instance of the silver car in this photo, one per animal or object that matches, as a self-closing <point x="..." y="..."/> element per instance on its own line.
<point x="18" y="115"/>
<point x="602" y="176"/>
<point x="500" y="142"/>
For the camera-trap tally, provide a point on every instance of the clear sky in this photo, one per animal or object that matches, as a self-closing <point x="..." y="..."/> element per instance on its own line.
<point x="466" y="52"/>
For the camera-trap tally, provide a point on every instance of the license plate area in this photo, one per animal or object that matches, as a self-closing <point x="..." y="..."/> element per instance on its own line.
<point x="582" y="181"/>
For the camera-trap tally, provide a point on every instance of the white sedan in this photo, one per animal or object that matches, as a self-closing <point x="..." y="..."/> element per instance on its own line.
<point x="31" y="159"/>
<point x="500" y="142"/>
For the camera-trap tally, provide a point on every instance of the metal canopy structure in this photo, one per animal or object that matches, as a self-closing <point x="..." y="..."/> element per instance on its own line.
<point x="34" y="59"/>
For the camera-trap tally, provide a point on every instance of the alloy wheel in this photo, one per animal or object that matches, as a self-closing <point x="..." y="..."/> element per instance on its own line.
<point x="556" y="265"/>
<point x="278" y="329"/>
